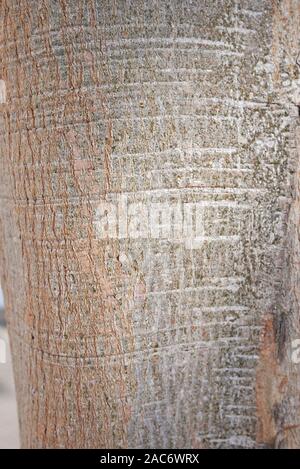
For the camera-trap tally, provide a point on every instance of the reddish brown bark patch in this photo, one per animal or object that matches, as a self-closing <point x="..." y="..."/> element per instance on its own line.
<point x="270" y="385"/>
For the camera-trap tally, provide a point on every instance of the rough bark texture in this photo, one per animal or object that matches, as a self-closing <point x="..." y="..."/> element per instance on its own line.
<point x="146" y="342"/>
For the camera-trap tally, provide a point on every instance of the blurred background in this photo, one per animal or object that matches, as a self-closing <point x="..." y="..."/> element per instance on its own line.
<point x="9" y="438"/>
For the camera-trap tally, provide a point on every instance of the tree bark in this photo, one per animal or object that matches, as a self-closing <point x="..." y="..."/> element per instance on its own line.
<point x="143" y="341"/>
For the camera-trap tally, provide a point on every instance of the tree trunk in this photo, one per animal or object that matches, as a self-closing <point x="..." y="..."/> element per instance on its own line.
<point x="125" y="333"/>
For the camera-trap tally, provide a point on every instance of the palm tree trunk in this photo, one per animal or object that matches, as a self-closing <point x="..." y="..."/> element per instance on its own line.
<point x="117" y="112"/>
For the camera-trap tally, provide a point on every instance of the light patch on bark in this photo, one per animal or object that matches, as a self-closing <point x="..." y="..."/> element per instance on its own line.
<point x="2" y="92"/>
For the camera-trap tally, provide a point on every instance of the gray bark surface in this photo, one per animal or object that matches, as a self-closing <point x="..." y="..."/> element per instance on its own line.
<point x="148" y="342"/>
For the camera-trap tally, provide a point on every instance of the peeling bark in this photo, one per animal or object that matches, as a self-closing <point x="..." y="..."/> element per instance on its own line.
<point x="147" y="342"/>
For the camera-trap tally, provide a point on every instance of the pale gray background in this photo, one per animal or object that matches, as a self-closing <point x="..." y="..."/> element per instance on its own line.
<point x="8" y="413"/>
